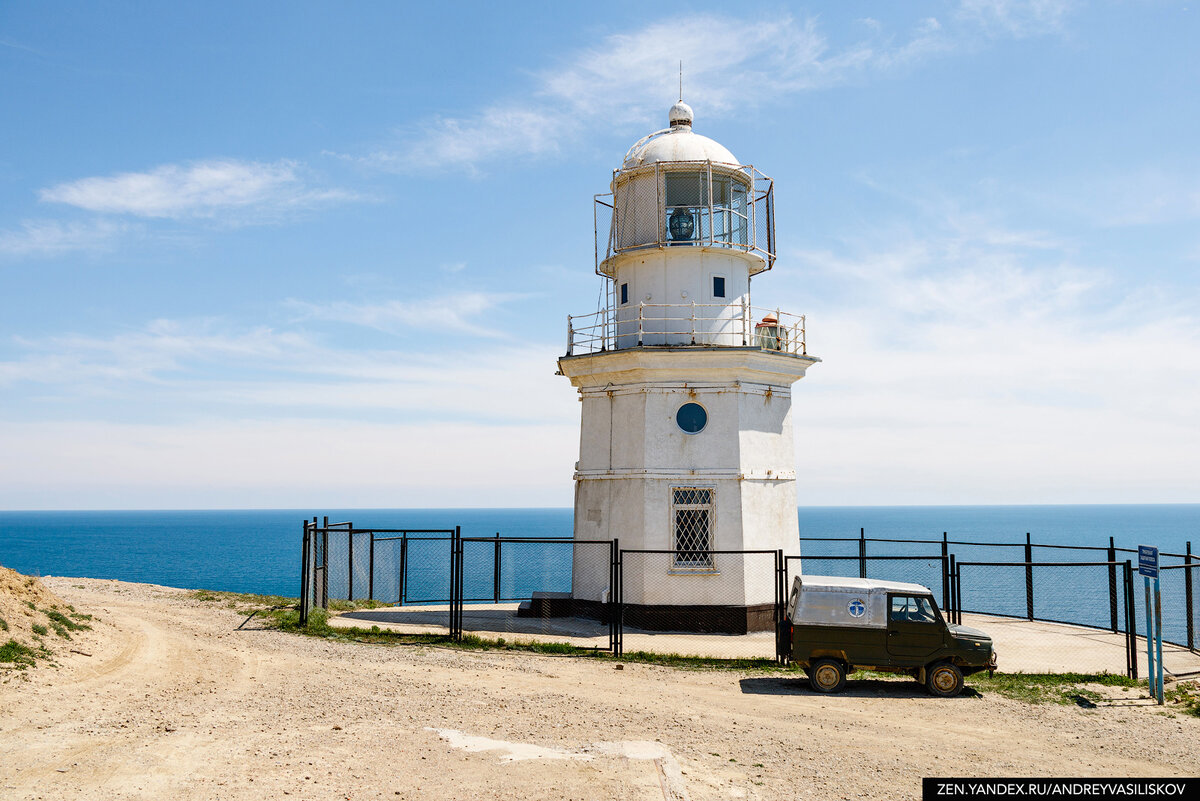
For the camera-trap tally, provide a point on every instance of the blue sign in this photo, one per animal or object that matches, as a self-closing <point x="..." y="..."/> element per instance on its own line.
<point x="1148" y="561"/>
<point x="856" y="608"/>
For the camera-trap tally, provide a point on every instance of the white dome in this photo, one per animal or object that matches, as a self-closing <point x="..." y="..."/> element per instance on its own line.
<point x="680" y="144"/>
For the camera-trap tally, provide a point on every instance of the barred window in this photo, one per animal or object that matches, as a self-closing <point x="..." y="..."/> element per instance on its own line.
<point x="692" y="509"/>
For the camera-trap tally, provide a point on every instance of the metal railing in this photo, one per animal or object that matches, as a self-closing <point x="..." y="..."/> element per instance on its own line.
<point x="686" y="203"/>
<point x="684" y="325"/>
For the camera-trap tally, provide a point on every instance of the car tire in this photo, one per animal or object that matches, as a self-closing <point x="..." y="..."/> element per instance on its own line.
<point x="827" y="676"/>
<point x="944" y="680"/>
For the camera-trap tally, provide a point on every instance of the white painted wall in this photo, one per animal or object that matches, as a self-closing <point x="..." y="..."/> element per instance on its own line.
<point x="632" y="453"/>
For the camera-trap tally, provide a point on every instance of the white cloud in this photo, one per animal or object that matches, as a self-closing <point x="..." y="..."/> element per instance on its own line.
<point x="1016" y="18"/>
<point x="185" y="370"/>
<point x="730" y="66"/>
<point x="199" y="189"/>
<point x="288" y="462"/>
<point x="460" y="312"/>
<point x="51" y="238"/>
<point x="162" y="347"/>
<point x="975" y="364"/>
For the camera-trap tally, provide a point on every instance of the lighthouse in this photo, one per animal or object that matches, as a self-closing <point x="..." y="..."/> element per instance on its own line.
<point x="686" y="451"/>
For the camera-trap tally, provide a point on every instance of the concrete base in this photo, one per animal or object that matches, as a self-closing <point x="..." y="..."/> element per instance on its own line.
<point x="656" y="617"/>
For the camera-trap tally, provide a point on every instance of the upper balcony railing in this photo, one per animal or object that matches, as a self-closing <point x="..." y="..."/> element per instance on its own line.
<point x="686" y="203"/>
<point x="686" y="325"/>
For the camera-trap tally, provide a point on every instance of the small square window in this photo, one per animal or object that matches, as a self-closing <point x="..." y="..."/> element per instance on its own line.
<point x="624" y="293"/>
<point x="718" y="286"/>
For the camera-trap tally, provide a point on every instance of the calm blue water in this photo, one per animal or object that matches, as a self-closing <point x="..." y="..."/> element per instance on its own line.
<point x="259" y="550"/>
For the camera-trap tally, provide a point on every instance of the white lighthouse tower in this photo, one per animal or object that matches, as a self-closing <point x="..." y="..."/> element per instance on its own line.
<point x="686" y="439"/>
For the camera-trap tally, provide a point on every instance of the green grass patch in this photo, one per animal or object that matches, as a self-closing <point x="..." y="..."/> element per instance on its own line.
<point x="40" y="630"/>
<point x="59" y="620"/>
<point x="18" y="655"/>
<point x="350" y="606"/>
<point x="3" y="624"/>
<point x="1187" y="696"/>
<point x="1034" y="688"/>
<point x="1040" y="688"/>
<point x="246" y="602"/>
<point x="318" y="626"/>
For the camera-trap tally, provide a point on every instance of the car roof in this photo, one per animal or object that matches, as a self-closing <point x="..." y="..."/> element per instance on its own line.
<point x="861" y="584"/>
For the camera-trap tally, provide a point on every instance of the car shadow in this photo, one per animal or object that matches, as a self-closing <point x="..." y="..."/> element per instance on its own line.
<point x="855" y="688"/>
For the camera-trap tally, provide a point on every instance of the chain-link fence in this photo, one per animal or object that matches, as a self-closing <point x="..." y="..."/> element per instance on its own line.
<point x="1051" y="606"/>
<point x="537" y="590"/>
<point x="391" y="566"/>
<point x="715" y="604"/>
<point x="1081" y="615"/>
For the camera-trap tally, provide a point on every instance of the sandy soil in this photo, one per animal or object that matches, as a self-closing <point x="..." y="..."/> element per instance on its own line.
<point x="174" y="702"/>
<point x="22" y="601"/>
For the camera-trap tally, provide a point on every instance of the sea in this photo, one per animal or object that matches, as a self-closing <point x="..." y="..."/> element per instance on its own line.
<point x="258" y="551"/>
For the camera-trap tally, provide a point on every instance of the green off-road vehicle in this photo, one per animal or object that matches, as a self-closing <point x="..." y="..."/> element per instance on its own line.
<point x="839" y="625"/>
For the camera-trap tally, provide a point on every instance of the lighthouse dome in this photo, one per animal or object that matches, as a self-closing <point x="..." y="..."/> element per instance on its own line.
<point x="678" y="143"/>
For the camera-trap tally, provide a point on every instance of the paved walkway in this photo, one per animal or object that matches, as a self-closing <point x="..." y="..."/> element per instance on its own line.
<point x="1021" y="645"/>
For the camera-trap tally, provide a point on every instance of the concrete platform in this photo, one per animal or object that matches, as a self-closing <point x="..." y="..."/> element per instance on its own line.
<point x="1021" y="646"/>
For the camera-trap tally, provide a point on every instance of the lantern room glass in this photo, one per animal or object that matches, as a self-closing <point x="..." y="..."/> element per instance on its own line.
<point x="716" y="204"/>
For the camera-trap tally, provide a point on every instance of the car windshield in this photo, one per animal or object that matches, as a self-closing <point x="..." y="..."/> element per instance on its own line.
<point x="912" y="609"/>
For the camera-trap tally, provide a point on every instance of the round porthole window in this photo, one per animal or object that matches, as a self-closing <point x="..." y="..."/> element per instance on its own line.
<point x="692" y="418"/>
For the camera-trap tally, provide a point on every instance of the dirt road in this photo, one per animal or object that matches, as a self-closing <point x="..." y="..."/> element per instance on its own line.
<point x="172" y="702"/>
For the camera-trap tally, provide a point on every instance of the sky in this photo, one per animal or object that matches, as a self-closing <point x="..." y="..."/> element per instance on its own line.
<point x="320" y="255"/>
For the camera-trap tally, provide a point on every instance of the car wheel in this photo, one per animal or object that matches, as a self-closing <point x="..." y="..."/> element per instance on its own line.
<point x="944" y="680"/>
<point x="827" y="676"/>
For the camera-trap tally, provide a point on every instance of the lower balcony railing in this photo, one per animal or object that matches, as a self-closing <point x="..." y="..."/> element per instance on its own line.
<point x="686" y="325"/>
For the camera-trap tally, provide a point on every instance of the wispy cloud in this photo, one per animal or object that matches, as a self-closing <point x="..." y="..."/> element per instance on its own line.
<point x="285" y="462"/>
<point x="979" y="363"/>
<point x="51" y="237"/>
<point x="203" y="189"/>
<point x="731" y="65"/>
<point x="1016" y="18"/>
<point x="462" y="311"/>
<point x="190" y="368"/>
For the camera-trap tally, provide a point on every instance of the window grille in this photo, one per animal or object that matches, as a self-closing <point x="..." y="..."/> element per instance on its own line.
<point x="692" y="509"/>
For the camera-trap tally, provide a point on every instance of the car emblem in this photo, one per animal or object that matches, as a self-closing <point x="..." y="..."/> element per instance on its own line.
<point x="856" y="608"/>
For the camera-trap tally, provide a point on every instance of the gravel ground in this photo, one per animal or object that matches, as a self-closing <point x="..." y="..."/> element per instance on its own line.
<point x="168" y="700"/>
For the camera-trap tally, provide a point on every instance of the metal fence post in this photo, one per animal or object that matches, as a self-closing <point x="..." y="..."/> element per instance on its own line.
<point x="1130" y="620"/>
<point x="1112" y="583"/>
<point x="1158" y="663"/>
<point x="324" y="565"/>
<point x="1150" y="671"/>
<point x="1028" y="576"/>
<point x="371" y="570"/>
<point x="945" y="570"/>
<point x="350" y="564"/>
<point x="455" y="590"/>
<point x="862" y="553"/>
<point x="402" y="592"/>
<point x="1189" y="598"/>
<point x="610" y="611"/>
<point x="496" y="571"/>
<point x="781" y="644"/>
<point x="956" y="589"/>
<point x="304" y="575"/>
<point x="620" y="611"/>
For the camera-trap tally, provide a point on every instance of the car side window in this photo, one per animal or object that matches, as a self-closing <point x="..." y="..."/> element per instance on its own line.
<point x="911" y="609"/>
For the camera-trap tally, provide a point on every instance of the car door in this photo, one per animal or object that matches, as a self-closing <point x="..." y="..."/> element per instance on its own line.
<point x="914" y="629"/>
